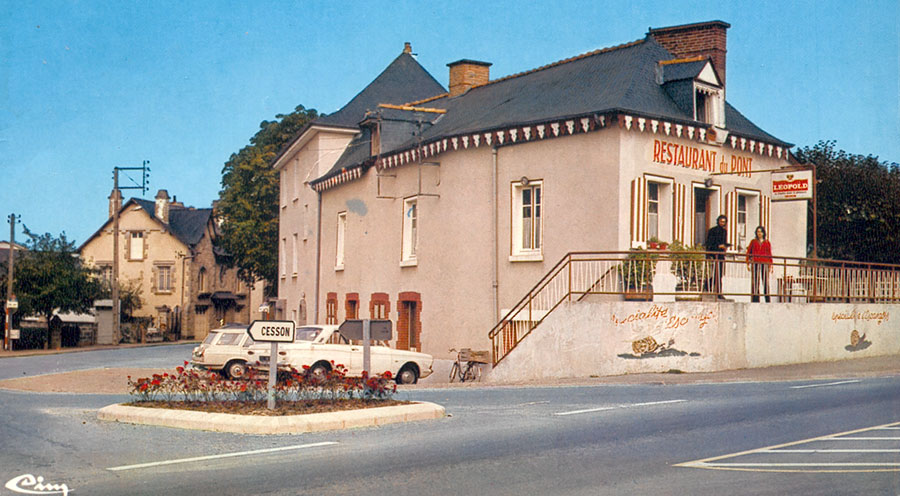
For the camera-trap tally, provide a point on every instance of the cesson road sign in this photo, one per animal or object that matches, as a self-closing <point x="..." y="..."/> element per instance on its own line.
<point x="272" y="331"/>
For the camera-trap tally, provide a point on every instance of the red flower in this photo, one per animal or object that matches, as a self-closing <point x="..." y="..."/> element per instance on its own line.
<point x="185" y="363"/>
<point x="180" y="370"/>
<point x="155" y="382"/>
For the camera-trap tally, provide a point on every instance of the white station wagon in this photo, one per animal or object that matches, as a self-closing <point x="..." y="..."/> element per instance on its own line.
<point x="316" y="346"/>
<point x="225" y="350"/>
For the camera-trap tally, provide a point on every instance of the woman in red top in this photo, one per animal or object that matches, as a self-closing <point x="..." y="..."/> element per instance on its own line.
<point x="759" y="262"/>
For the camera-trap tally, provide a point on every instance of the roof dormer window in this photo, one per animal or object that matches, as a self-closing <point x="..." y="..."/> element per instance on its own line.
<point x="709" y="105"/>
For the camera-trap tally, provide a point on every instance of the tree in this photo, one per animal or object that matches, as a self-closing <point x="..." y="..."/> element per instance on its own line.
<point x="50" y="277"/>
<point x="858" y="205"/>
<point x="248" y="201"/>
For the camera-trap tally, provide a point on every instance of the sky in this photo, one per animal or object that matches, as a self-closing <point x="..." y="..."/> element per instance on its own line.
<point x="86" y="86"/>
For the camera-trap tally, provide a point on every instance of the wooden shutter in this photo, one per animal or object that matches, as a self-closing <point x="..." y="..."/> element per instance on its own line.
<point x="638" y="210"/>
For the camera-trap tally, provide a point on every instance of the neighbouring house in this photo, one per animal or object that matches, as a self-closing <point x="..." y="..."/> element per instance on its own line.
<point x="166" y="250"/>
<point x="440" y="209"/>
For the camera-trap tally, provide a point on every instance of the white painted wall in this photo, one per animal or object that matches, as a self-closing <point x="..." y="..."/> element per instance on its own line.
<point x="595" y="339"/>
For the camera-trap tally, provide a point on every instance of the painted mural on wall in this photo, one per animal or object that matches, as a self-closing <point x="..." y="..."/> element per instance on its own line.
<point x="858" y="341"/>
<point x="663" y="324"/>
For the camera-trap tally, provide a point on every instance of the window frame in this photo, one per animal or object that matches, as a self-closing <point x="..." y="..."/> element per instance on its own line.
<point x="409" y="240"/>
<point x="159" y="270"/>
<point x="753" y="200"/>
<point x="665" y="230"/>
<point x="132" y="235"/>
<point x="518" y="252"/>
<point x="340" y="242"/>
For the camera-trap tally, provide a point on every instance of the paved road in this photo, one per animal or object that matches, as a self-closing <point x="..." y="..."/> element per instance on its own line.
<point x="567" y="440"/>
<point x="161" y="356"/>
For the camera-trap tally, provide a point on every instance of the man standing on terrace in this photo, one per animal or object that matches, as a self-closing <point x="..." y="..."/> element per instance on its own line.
<point x="716" y="242"/>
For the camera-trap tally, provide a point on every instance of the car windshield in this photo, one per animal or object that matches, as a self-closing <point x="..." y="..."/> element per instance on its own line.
<point x="211" y="337"/>
<point x="307" y="333"/>
<point x="230" y="338"/>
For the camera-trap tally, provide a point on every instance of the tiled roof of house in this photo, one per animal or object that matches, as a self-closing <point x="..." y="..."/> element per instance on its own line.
<point x="402" y="81"/>
<point x="616" y="79"/>
<point x="187" y="224"/>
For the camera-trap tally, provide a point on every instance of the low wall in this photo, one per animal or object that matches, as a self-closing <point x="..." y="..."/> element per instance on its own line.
<point x="614" y="338"/>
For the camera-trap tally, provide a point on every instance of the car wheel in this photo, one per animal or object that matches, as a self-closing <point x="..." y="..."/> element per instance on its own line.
<point x="236" y="370"/>
<point x="319" y="371"/>
<point x="407" y="375"/>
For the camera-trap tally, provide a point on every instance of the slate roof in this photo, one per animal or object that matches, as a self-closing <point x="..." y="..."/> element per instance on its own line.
<point x="404" y="80"/>
<point x="187" y="224"/>
<point x="616" y="79"/>
<point x="683" y="70"/>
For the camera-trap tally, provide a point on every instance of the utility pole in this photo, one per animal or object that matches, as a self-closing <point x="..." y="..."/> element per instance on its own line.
<point x="10" y="307"/>
<point x="145" y="177"/>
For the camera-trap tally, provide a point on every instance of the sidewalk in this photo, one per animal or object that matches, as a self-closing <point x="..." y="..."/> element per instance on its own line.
<point x="21" y="353"/>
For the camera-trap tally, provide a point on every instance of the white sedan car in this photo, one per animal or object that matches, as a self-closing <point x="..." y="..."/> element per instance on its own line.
<point x="319" y="345"/>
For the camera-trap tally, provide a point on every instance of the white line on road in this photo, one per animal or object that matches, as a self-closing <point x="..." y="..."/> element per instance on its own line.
<point x="830" y="451"/>
<point x="773" y="465"/>
<point x="808" y="467"/>
<point x="604" y="408"/>
<point x="823" y="385"/>
<point x="224" y="455"/>
<point x="860" y="439"/>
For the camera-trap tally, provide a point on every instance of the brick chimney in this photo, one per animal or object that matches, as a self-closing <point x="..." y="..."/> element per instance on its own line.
<point x="162" y="206"/>
<point x="115" y="202"/>
<point x="707" y="39"/>
<point x="465" y="74"/>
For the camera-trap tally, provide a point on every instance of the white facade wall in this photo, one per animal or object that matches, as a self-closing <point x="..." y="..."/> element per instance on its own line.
<point x="595" y="338"/>
<point x="587" y="205"/>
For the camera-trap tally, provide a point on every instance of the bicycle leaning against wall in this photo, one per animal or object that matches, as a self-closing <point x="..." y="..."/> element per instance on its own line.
<point x="467" y="366"/>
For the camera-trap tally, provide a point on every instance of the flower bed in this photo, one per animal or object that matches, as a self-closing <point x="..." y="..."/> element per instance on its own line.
<point x="296" y="392"/>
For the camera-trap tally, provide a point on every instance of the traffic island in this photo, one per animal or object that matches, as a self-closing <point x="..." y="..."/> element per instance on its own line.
<point x="263" y="424"/>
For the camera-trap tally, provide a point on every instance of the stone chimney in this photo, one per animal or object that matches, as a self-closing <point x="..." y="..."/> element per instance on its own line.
<point x="162" y="206"/>
<point x="115" y="202"/>
<point x="465" y="74"/>
<point x="407" y="48"/>
<point x="707" y="39"/>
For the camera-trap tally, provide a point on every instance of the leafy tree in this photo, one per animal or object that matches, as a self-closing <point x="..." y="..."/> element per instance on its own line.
<point x="248" y="201"/>
<point x="858" y="205"/>
<point x="50" y="277"/>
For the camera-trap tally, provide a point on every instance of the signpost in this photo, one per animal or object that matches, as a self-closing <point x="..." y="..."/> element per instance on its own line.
<point x="272" y="331"/>
<point x="366" y="330"/>
<point x="12" y="304"/>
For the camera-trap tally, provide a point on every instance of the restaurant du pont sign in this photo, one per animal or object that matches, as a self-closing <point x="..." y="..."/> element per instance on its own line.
<point x="794" y="185"/>
<point x="702" y="159"/>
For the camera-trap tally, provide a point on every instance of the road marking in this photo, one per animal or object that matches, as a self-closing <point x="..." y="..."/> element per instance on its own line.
<point x="605" y="408"/>
<point x="830" y="451"/>
<point x="865" y="439"/>
<point x="808" y="467"/>
<point x="824" y="464"/>
<point x="217" y="457"/>
<point x="823" y="385"/>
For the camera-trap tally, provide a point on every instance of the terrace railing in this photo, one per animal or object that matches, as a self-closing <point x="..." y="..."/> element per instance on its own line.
<point x="664" y="275"/>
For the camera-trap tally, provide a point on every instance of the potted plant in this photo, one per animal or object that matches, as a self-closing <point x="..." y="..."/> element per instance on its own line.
<point x="637" y="271"/>
<point x="688" y="266"/>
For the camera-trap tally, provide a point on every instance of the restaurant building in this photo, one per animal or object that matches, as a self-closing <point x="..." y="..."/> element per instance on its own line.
<point x="441" y="209"/>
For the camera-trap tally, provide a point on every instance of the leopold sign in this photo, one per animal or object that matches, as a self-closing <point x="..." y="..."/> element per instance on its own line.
<point x="272" y="331"/>
<point x="794" y="185"/>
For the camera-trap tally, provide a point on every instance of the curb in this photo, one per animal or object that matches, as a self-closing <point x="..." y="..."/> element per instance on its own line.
<point x="261" y="424"/>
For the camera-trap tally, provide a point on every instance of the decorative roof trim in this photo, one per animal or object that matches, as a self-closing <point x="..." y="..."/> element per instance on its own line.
<point x="697" y="58"/>
<point x="429" y="99"/>
<point x="556" y="128"/>
<point x="345" y="176"/>
<point x="412" y="108"/>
